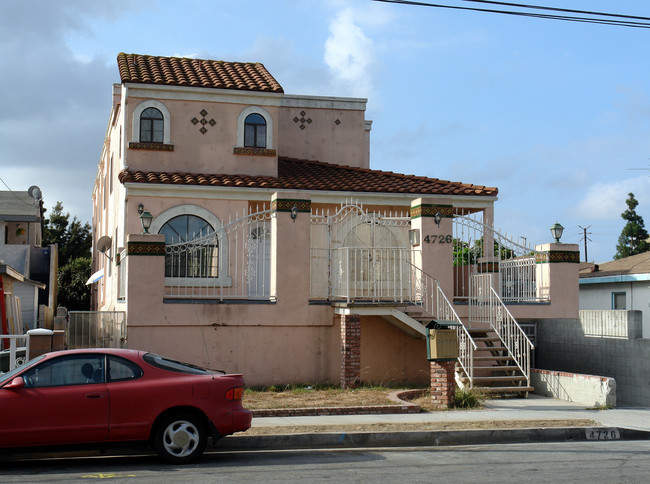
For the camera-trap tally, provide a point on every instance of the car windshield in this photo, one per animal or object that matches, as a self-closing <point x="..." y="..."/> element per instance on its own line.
<point x="173" y="365"/>
<point x="10" y="374"/>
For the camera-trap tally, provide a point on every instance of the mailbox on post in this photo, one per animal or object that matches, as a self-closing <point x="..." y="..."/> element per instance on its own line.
<point x="442" y="340"/>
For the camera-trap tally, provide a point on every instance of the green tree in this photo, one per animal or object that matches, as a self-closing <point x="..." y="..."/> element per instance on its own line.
<point x="74" y="241"/>
<point x="73" y="292"/>
<point x="634" y="237"/>
<point x="73" y="238"/>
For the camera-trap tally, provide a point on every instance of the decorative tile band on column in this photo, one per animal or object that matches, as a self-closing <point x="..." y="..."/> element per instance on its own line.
<point x="350" y="350"/>
<point x="555" y="256"/>
<point x="145" y="248"/>
<point x="443" y="383"/>
<point x="285" y="205"/>
<point x="428" y="210"/>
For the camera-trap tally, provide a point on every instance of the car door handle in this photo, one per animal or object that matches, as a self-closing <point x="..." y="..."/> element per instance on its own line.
<point x="94" y="395"/>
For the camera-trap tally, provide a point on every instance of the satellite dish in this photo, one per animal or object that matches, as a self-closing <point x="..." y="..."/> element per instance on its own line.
<point x="104" y="243"/>
<point x="34" y="192"/>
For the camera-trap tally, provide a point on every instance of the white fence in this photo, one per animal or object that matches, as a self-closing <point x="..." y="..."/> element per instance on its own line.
<point x="617" y="324"/>
<point x="15" y="351"/>
<point x="96" y="329"/>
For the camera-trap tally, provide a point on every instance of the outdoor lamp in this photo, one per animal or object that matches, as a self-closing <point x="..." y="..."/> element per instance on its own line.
<point x="140" y="208"/>
<point x="145" y="220"/>
<point x="294" y="213"/>
<point x="556" y="231"/>
<point x="438" y="218"/>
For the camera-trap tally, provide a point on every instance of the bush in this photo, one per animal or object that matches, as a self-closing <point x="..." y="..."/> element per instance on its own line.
<point x="467" y="398"/>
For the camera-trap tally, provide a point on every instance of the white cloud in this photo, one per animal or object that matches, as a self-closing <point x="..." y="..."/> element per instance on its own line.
<point x="606" y="201"/>
<point x="350" y="54"/>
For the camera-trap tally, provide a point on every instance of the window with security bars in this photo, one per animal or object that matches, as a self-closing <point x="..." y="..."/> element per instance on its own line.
<point x="195" y="251"/>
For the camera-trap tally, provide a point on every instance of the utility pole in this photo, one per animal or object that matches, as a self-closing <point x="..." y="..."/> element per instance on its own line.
<point x="585" y="238"/>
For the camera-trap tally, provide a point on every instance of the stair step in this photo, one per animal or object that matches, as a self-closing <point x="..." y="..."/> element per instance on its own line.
<point x="505" y="389"/>
<point x="493" y="358"/>
<point x="493" y="379"/>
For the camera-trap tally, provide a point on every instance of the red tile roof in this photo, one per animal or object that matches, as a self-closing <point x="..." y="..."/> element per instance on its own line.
<point x="313" y="175"/>
<point x="175" y="71"/>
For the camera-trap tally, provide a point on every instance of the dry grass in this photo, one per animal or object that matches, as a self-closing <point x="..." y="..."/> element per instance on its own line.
<point x="303" y="397"/>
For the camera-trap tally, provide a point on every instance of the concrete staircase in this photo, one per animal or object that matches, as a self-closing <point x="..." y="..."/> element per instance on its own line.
<point x="495" y="370"/>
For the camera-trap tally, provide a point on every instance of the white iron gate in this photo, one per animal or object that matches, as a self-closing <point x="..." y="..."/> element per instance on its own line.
<point x="358" y="254"/>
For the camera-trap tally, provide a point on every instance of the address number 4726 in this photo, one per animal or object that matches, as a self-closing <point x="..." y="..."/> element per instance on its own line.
<point x="439" y="239"/>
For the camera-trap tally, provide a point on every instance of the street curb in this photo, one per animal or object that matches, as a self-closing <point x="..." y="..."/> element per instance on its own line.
<point x="333" y="440"/>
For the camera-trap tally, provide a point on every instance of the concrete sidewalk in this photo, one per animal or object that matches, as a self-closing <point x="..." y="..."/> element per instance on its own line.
<point x="619" y="423"/>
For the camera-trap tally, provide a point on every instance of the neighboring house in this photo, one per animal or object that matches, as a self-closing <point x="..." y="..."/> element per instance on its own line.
<point x="275" y="250"/>
<point x="24" y="264"/>
<point x="622" y="284"/>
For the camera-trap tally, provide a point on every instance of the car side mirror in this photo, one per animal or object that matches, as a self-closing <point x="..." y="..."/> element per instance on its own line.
<point x="16" y="384"/>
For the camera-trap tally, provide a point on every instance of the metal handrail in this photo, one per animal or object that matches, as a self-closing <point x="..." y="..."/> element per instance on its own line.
<point x="513" y="336"/>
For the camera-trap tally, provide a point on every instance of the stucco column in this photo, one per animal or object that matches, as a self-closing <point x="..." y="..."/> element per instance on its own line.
<point x="443" y="383"/>
<point x="435" y="252"/>
<point x="145" y="276"/>
<point x="350" y="350"/>
<point x="290" y="250"/>
<point x="557" y="276"/>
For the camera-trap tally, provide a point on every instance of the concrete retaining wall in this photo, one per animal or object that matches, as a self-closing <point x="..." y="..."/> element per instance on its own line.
<point x="598" y="391"/>
<point x="567" y="345"/>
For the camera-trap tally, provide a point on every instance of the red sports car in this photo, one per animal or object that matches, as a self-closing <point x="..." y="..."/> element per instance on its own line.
<point x="115" y="395"/>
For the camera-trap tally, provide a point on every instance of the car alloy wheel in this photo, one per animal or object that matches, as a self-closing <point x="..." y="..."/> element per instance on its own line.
<point x="180" y="439"/>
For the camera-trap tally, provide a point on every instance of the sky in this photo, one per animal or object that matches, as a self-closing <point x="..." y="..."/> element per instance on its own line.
<point x="555" y="114"/>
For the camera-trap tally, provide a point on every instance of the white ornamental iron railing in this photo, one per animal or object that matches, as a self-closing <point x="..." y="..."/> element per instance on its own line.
<point x="18" y="352"/>
<point x="476" y="243"/>
<point x="233" y="262"/>
<point x="370" y="273"/>
<point x="351" y="238"/>
<point x="96" y="329"/>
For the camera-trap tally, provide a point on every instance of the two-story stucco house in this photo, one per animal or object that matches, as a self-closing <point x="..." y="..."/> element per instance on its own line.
<point x="272" y="247"/>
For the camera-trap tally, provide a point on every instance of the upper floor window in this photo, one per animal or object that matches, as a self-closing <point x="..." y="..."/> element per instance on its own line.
<point x="151" y="126"/>
<point x="255" y="131"/>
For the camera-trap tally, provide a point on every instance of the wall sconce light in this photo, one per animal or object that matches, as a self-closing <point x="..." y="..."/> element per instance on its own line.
<point x="145" y="220"/>
<point x="556" y="231"/>
<point x="140" y="209"/>
<point x="438" y="218"/>
<point x="294" y="213"/>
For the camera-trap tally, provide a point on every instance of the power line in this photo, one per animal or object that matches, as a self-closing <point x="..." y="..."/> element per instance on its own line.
<point x="602" y="18"/>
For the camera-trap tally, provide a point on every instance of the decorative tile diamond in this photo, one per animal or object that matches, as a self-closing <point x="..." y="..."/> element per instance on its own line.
<point x="337" y="122"/>
<point x="302" y="120"/>
<point x="203" y="121"/>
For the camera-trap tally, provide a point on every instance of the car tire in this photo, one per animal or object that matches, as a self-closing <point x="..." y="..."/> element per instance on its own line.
<point x="180" y="438"/>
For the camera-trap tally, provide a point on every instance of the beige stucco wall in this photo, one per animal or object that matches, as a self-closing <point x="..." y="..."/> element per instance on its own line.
<point x="321" y="137"/>
<point x="389" y="355"/>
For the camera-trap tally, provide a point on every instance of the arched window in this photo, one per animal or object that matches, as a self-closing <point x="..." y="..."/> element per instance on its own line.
<point x="196" y="254"/>
<point x="255" y="131"/>
<point x="151" y="126"/>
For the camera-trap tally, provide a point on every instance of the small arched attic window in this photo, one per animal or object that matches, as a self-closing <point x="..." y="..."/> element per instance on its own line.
<point x="255" y="131"/>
